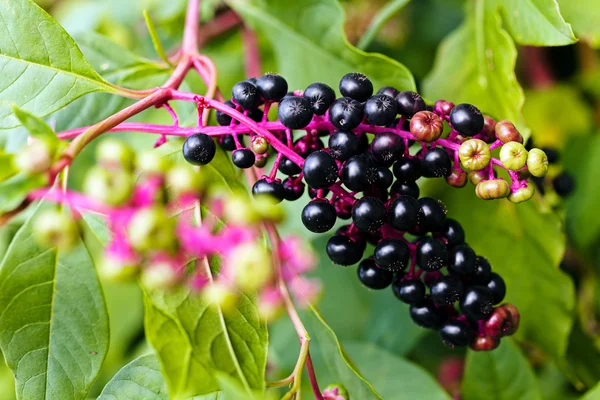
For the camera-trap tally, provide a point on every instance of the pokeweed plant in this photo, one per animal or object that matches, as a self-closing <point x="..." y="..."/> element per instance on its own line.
<point x="205" y="246"/>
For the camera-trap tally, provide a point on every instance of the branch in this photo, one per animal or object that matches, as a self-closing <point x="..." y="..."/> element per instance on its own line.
<point x="190" y="31"/>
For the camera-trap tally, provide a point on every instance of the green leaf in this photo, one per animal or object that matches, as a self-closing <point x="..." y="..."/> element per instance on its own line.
<point x="525" y="246"/>
<point x="53" y="320"/>
<point x="155" y="38"/>
<point x="582" y="361"/>
<point x="379" y="20"/>
<point x="16" y="188"/>
<point x="583" y="16"/>
<point x="592" y="394"/>
<point x="341" y="367"/>
<point x="194" y="340"/>
<point x="309" y="44"/>
<point x="43" y="69"/>
<point x="36" y="127"/>
<point x="392" y="376"/>
<point x="475" y="64"/>
<point x="502" y="374"/>
<point x="534" y="22"/>
<point x="139" y="380"/>
<point x="7" y="168"/>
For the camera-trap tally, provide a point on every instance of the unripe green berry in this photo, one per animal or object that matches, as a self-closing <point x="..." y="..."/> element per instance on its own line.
<point x="115" y="271"/>
<point x="152" y="163"/>
<point x="220" y="295"/>
<point x="537" y="163"/>
<point x="426" y="126"/>
<point x="477" y="176"/>
<point x="252" y="266"/>
<point x="113" y="153"/>
<point x="492" y="189"/>
<point x="513" y="155"/>
<point x="108" y="187"/>
<point x="151" y="229"/>
<point x="260" y="145"/>
<point x="522" y="194"/>
<point x="159" y="275"/>
<point x="261" y="162"/>
<point x="507" y="132"/>
<point x="457" y="178"/>
<point x="474" y="154"/>
<point x="182" y="179"/>
<point x="53" y="228"/>
<point x="35" y="158"/>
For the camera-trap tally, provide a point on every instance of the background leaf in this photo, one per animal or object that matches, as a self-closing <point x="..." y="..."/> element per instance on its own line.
<point x="53" y="322"/>
<point x="583" y="15"/>
<point x="309" y="44"/>
<point x="139" y="380"/>
<point x="502" y="374"/>
<point x="40" y="79"/>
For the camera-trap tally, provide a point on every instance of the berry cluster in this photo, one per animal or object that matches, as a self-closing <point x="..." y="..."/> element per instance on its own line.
<point x="372" y="181"/>
<point x="562" y="182"/>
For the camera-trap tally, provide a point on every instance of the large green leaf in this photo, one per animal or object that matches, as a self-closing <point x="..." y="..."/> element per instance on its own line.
<point x="392" y="376"/>
<point x="534" y="22"/>
<point x="194" y="340"/>
<point x="525" y="246"/>
<point x="583" y="16"/>
<point x="592" y="394"/>
<point x="42" y="68"/>
<point x="330" y="351"/>
<point x="16" y="188"/>
<point x="475" y="64"/>
<point x="139" y="380"/>
<point x="502" y="374"/>
<point x="53" y="320"/>
<point x="309" y="44"/>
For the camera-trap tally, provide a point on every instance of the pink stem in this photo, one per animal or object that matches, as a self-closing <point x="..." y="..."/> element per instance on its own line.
<point x="251" y="53"/>
<point x="313" y="378"/>
<point x="190" y="31"/>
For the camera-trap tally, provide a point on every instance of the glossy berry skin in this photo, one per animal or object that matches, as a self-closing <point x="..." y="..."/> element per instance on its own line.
<point x="466" y="119"/>
<point x="320" y="96"/>
<point x="274" y="189"/>
<point x="385" y="178"/>
<point x="288" y="167"/>
<point x="483" y="271"/>
<point x="402" y="213"/>
<point x="272" y="87"/>
<point x="368" y="214"/>
<point x="343" y="145"/>
<point x="356" y="86"/>
<point x="222" y="118"/>
<point x="477" y="303"/>
<point x="293" y="190"/>
<point x="446" y="290"/>
<point x="344" y="251"/>
<point x="199" y="149"/>
<point x="391" y="254"/>
<point x="409" y="291"/>
<point x="462" y="260"/>
<point x="243" y="158"/>
<point x="409" y="103"/>
<point x="294" y="112"/>
<point x="320" y="170"/>
<point x="373" y="277"/>
<point x="359" y="173"/>
<point x="346" y="113"/>
<point x="432" y="214"/>
<point x="388" y="91"/>
<point x="456" y="333"/>
<point x="380" y="110"/>
<point x="408" y="189"/>
<point x="431" y="254"/>
<point x="497" y="287"/>
<point x="436" y="163"/>
<point x="427" y="315"/>
<point x="246" y="95"/>
<point x="319" y="216"/>
<point x="407" y="169"/>
<point x="563" y="184"/>
<point x="453" y="232"/>
<point x="228" y="142"/>
<point x="387" y="147"/>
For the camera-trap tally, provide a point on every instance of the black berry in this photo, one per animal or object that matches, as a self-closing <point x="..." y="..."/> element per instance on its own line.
<point x="320" y="96"/>
<point x="273" y="188"/>
<point x="497" y="288"/>
<point x="431" y="254"/>
<point x="409" y="103"/>
<point x="436" y="163"/>
<point x="466" y="119"/>
<point x="563" y="184"/>
<point x="245" y="94"/>
<point x="319" y="216"/>
<point x="387" y="147"/>
<point x="446" y="290"/>
<point x="344" y="251"/>
<point x="222" y="118"/>
<point x="391" y="254"/>
<point x="294" y="112"/>
<point x="388" y="91"/>
<point x="483" y="271"/>
<point x="462" y="260"/>
<point x="373" y="277"/>
<point x="407" y="169"/>
<point x="346" y="113"/>
<point x="199" y="149"/>
<point x="243" y="158"/>
<point x="288" y="167"/>
<point x="456" y="333"/>
<point x="359" y="173"/>
<point x="368" y="214"/>
<point x="320" y="170"/>
<point x="271" y="87"/>
<point x="409" y="291"/>
<point x="293" y="190"/>
<point x="432" y="214"/>
<point x="408" y="189"/>
<point x="477" y="303"/>
<point x="228" y="142"/>
<point x="427" y="315"/>
<point x="344" y="144"/>
<point x="380" y="110"/>
<point x="385" y="178"/>
<point x="453" y="232"/>
<point x="356" y="86"/>
<point x="403" y="213"/>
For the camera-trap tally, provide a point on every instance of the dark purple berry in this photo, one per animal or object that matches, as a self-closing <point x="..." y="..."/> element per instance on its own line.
<point x="320" y="96"/>
<point x="466" y="119"/>
<point x="408" y="189"/>
<point x="243" y="158"/>
<point x="432" y="214"/>
<point x="320" y="170"/>
<point x="245" y="94"/>
<point x="319" y="216"/>
<point x="380" y="110"/>
<point x="222" y="118"/>
<point x="391" y="254"/>
<point x="344" y="251"/>
<point x="453" y="232"/>
<point x="199" y="149"/>
<point x="483" y="271"/>
<point x="314" y="193"/>
<point x="288" y="167"/>
<point x="407" y="169"/>
<point x="228" y="142"/>
<point x="368" y="214"/>
<point x="431" y="254"/>
<point x="388" y="91"/>
<point x="456" y="333"/>
<point x="563" y="184"/>
<point x="446" y="290"/>
<point x="346" y="113"/>
<point x="410" y="291"/>
<point x="273" y="188"/>
<point x="462" y="260"/>
<point x="385" y="178"/>
<point x="427" y="315"/>
<point x="477" y="303"/>
<point x="497" y="288"/>
<point x="387" y="147"/>
<point x="373" y="277"/>
<point x="344" y="144"/>
<point x="294" y="112"/>
<point x="436" y="163"/>
<point x="356" y="86"/>
<point x="293" y="189"/>
<point x="359" y="173"/>
<point x="271" y="87"/>
<point x="403" y="213"/>
<point x="409" y="103"/>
